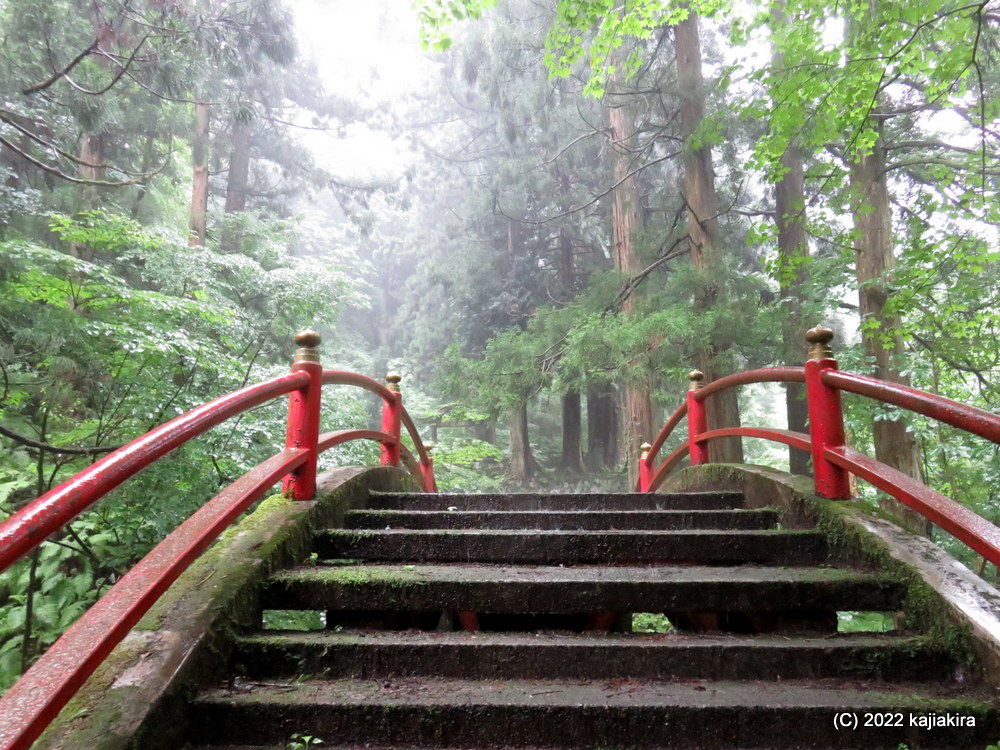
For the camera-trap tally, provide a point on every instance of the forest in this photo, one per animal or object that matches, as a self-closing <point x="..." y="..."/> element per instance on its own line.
<point x="542" y="213"/>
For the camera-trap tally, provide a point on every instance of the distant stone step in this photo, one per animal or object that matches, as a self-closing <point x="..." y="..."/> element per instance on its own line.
<point x="562" y="501"/>
<point x="612" y="713"/>
<point x="546" y="589"/>
<point x="503" y="656"/>
<point x="707" y="546"/>
<point x="580" y="520"/>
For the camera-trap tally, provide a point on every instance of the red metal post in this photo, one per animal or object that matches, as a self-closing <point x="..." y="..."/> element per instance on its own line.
<point x="303" y="417"/>
<point x="697" y="420"/>
<point x="427" y="470"/>
<point x="392" y="416"/>
<point x="826" y="419"/>
<point x="645" y="470"/>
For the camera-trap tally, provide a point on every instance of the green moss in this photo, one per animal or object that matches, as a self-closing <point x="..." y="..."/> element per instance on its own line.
<point x="396" y="577"/>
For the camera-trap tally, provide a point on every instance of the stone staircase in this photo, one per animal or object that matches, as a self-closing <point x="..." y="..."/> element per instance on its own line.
<point x="481" y="621"/>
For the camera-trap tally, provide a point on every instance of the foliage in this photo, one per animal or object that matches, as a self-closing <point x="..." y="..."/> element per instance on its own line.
<point x="300" y="741"/>
<point x="651" y="622"/>
<point x="97" y="351"/>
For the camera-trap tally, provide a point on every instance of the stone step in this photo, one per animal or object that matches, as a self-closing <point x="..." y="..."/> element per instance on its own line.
<point x="561" y="501"/>
<point x="612" y="713"/>
<point x="580" y="520"/>
<point x="732" y="547"/>
<point x="546" y="589"/>
<point x="504" y="656"/>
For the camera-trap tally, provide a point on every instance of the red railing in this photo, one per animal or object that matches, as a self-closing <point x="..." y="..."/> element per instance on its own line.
<point x="833" y="461"/>
<point x="38" y="696"/>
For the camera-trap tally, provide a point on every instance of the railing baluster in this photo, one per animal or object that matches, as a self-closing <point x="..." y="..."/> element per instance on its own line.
<point x="427" y="469"/>
<point x="392" y="420"/>
<point x="303" y="416"/>
<point x="826" y="418"/>
<point x="645" y="469"/>
<point x="697" y="420"/>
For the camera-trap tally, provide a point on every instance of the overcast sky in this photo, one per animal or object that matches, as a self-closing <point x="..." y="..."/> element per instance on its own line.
<point x="365" y="51"/>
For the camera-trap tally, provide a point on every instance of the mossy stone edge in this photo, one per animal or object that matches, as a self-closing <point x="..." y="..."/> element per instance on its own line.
<point x="944" y="600"/>
<point x="136" y="698"/>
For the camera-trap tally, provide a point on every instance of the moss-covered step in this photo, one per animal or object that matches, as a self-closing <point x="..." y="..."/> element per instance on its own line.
<point x="532" y="501"/>
<point x="706" y="546"/>
<point x="380" y="655"/>
<point x="576" y="519"/>
<point x="546" y="589"/>
<point x="598" y="714"/>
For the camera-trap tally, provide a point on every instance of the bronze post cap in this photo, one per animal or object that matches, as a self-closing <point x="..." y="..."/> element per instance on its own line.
<point x="819" y="339"/>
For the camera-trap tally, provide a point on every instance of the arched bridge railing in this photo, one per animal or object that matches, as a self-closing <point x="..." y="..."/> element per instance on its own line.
<point x="37" y="697"/>
<point x="833" y="461"/>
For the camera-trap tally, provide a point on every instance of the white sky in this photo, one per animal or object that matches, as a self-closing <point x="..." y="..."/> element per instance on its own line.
<point x="366" y="50"/>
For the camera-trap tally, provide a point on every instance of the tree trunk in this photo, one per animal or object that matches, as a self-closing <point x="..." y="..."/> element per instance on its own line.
<point x="199" y="186"/>
<point x="148" y="154"/>
<point x="572" y="434"/>
<point x="626" y="223"/>
<point x="602" y="428"/>
<point x="793" y="255"/>
<point x="723" y="408"/>
<point x="874" y="259"/>
<point x="793" y="251"/>
<point x="522" y="463"/>
<point x="238" y="181"/>
<point x="571" y="460"/>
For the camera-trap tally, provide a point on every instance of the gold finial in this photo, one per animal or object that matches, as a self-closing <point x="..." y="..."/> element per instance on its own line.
<point x="819" y="339"/>
<point x="430" y="445"/>
<point x="695" y="376"/>
<point x="645" y="448"/>
<point x="393" y="379"/>
<point x="307" y="340"/>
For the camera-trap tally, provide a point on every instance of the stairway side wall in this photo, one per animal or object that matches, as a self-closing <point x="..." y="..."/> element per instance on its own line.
<point x="944" y="598"/>
<point x="136" y="699"/>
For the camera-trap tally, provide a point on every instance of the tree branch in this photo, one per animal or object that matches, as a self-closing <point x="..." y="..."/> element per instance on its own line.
<point x="42" y="85"/>
<point x="55" y="448"/>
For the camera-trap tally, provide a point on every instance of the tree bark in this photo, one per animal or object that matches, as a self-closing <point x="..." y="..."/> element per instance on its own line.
<point x="602" y="428"/>
<point x="874" y="259"/>
<point x="626" y="223"/>
<point x="793" y="254"/>
<point x="793" y="251"/>
<point x="571" y="460"/>
<point x="522" y="463"/>
<point x="199" y="187"/>
<point x="703" y="229"/>
<point x="238" y="181"/>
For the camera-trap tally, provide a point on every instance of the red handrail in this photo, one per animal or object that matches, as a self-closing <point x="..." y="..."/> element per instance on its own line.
<point x="38" y="696"/>
<point x="969" y="418"/>
<point x="832" y="460"/>
<point x="34" y="523"/>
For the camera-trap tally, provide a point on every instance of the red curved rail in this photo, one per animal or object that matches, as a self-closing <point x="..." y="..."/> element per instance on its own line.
<point x="675" y="419"/>
<point x="961" y="522"/>
<point x="343" y="377"/>
<point x="969" y="418"/>
<point x="832" y="459"/>
<point x="763" y="375"/>
<point x="36" y="699"/>
<point x="338" y="437"/>
<point x="31" y="525"/>
<point x="38" y="696"/>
